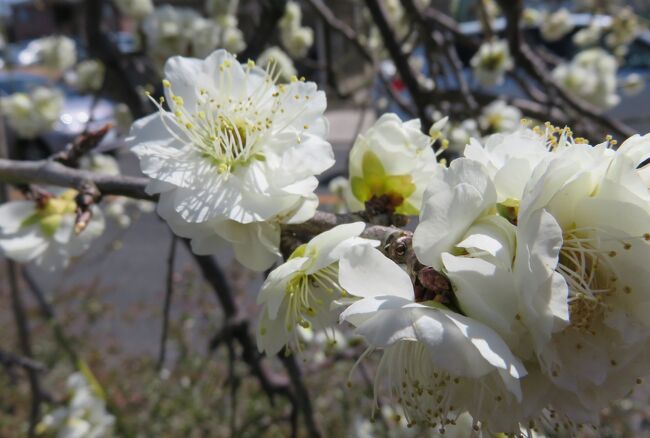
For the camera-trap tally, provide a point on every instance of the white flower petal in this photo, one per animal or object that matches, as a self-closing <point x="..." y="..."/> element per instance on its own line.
<point x="365" y="272"/>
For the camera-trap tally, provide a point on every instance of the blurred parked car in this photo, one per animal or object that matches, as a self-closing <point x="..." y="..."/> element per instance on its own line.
<point x="632" y="110"/>
<point x="80" y="112"/>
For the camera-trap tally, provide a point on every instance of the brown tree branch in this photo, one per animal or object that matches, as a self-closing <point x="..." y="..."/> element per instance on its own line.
<point x="422" y="98"/>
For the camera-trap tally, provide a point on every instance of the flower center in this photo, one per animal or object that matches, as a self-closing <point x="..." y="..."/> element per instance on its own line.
<point x="50" y="212"/>
<point x="306" y="294"/>
<point x="589" y="275"/>
<point x="428" y="394"/>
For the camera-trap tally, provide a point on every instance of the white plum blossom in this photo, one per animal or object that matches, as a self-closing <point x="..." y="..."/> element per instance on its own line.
<point x="32" y="113"/>
<point x="491" y="62"/>
<point x="633" y="84"/>
<point x="275" y="59"/>
<point x="87" y="76"/>
<point x="58" y="52"/>
<point x="498" y="116"/>
<point x="510" y="160"/>
<point x="43" y="230"/>
<point x="300" y="292"/>
<point x="556" y="25"/>
<point x="219" y="8"/>
<point x="624" y="28"/>
<point x="84" y="416"/>
<point x="181" y="31"/>
<point x="437" y="362"/>
<point x="297" y="39"/>
<point x="123" y="118"/>
<point x="235" y="156"/>
<point x="233" y="39"/>
<point x="591" y="76"/>
<point x="583" y="241"/>
<point x="392" y="159"/>
<point x="136" y="9"/>
<point x="588" y="36"/>
<point x="531" y="17"/>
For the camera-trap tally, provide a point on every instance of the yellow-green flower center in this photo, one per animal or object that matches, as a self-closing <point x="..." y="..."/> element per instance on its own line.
<point x="375" y="182"/>
<point x="50" y="213"/>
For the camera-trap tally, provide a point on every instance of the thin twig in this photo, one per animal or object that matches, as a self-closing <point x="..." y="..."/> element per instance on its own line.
<point x="422" y="98"/>
<point x="169" y="290"/>
<point x="301" y="393"/>
<point x="8" y="360"/>
<point x="25" y="343"/>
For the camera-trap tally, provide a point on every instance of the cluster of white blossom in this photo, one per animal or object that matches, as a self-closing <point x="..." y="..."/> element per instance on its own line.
<point x="84" y="416"/>
<point x="296" y="38"/>
<point x="57" y="52"/>
<point x="498" y="116"/>
<point x="491" y="62"/>
<point x="136" y="9"/>
<point x="87" y="76"/>
<point x="591" y="75"/>
<point x="556" y="25"/>
<point x="32" y="113"/>
<point x="173" y="31"/>
<point x="543" y="240"/>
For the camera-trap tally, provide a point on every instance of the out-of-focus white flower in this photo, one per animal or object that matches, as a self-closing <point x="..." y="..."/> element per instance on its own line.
<point x="220" y="8"/>
<point x="298" y="42"/>
<point x="57" y="51"/>
<point x="233" y="40"/>
<point x="433" y="388"/>
<point x="136" y="9"/>
<point x="297" y="39"/>
<point x="235" y="156"/>
<point x="588" y="36"/>
<point x="101" y="163"/>
<point x="123" y="118"/>
<point x="624" y="28"/>
<point x="633" y="84"/>
<point x="591" y="75"/>
<point x="459" y="134"/>
<point x="87" y="76"/>
<point x="300" y="291"/>
<point x="582" y="249"/>
<point x="499" y="117"/>
<point x="491" y="62"/>
<point x="392" y="159"/>
<point x="85" y="416"/>
<point x="556" y="25"/>
<point x="116" y="206"/>
<point x="340" y="187"/>
<point x="30" y="114"/>
<point x="276" y="60"/>
<point x="531" y="17"/>
<point x="182" y="31"/>
<point x="43" y="230"/>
